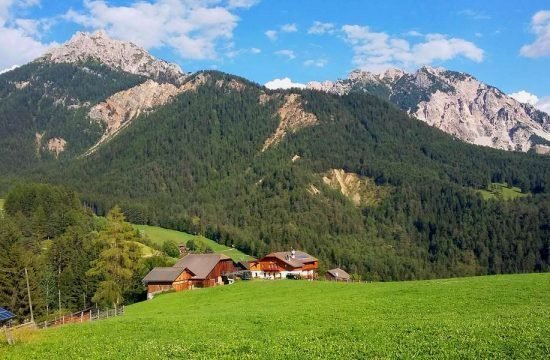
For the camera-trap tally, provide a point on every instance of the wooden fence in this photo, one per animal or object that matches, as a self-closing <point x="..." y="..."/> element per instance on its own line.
<point x="82" y="316"/>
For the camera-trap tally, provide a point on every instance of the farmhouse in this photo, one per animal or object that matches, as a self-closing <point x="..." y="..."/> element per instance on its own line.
<point x="278" y="265"/>
<point x="193" y="270"/>
<point x="337" y="275"/>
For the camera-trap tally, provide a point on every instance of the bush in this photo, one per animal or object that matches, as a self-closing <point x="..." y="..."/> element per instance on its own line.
<point x="171" y="249"/>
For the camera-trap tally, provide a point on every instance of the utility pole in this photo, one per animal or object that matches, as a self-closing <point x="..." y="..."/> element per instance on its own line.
<point x="29" y="292"/>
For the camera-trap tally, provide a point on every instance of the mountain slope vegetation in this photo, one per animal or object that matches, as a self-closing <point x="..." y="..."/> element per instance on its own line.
<point x="200" y="157"/>
<point x="41" y="102"/>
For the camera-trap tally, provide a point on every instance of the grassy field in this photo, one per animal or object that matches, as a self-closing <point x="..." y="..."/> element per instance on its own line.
<point x="160" y="235"/>
<point x="2" y="204"/>
<point x="502" y="191"/>
<point x="492" y="317"/>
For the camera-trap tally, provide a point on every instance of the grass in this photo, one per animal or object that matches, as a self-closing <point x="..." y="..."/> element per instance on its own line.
<point x="160" y="235"/>
<point x="2" y="204"/>
<point x="492" y="317"/>
<point x="502" y="191"/>
<point x="146" y="251"/>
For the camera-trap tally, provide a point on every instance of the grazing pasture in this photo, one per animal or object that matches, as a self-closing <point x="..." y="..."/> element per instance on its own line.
<point x="160" y="235"/>
<point x="492" y="317"/>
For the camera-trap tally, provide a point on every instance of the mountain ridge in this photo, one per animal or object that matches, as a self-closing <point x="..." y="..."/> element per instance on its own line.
<point x="456" y="103"/>
<point x="121" y="55"/>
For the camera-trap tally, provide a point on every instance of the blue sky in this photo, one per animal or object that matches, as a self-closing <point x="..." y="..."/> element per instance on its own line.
<point x="504" y="43"/>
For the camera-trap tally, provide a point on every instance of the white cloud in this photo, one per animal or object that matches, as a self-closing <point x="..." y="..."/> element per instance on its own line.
<point x="20" y="37"/>
<point x="474" y="14"/>
<point x="540" y="26"/>
<point x="284" y="83"/>
<point x="316" y="62"/>
<point x="377" y="51"/>
<point x="194" y="29"/>
<point x="288" y="53"/>
<point x="320" y="28"/>
<point x="525" y="97"/>
<point x="288" y="28"/>
<point x="9" y="69"/>
<point x="242" y="3"/>
<point x="543" y="104"/>
<point x="234" y="53"/>
<point x="414" y="33"/>
<point x="271" y="34"/>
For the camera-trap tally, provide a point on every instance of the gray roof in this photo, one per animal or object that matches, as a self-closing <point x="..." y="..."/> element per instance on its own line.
<point x="339" y="274"/>
<point x="300" y="258"/>
<point x="200" y="264"/>
<point x="163" y="275"/>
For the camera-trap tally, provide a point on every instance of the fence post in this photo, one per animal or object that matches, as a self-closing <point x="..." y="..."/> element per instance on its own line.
<point x="90" y="315"/>
<point x="116" y="310"/>
<point x="97" y="313"/>
<point x="63" y="319"/>
<point x="82" y="316"/>
<point x="107" y="312"/>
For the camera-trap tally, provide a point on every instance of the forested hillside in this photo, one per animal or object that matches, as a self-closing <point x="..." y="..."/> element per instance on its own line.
<point x="197" y="165"/>
<point x="73" y="259"/>
<point x="44" y="110"/>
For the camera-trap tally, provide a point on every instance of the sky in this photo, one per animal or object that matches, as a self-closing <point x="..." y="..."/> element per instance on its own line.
<point x="505" y="43"/>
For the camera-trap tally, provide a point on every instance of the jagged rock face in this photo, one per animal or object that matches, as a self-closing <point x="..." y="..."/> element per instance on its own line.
<point x="361" y="191"/>
<point x="456" y="103"/>
<point x="293" y="117"/>
<point x="118" y="111"/>
<point x="56" y="146"/>
<point x="116" y="54"/>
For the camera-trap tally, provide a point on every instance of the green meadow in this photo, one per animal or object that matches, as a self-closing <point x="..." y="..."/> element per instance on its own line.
<point x="159" y="235"/>
<point x="502" y="191"/>
<point x="492" y="317"/>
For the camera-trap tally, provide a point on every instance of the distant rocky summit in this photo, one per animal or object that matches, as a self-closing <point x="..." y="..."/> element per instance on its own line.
<point x="456" y="103"/>
<point x="116" y="54"/>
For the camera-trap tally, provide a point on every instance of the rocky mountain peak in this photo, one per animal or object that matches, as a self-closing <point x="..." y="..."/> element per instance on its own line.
<point x="456" y="103"/>
<point x="116" y="54"/>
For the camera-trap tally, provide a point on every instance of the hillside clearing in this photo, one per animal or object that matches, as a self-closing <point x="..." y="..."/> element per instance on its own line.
<point x="502" y="191"/>
<point x="483" y="317"/>
<point x="159" y="235"/>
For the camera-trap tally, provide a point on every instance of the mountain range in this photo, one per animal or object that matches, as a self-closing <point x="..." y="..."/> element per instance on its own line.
<point x="456" y="103"/>
<point x="348" y="173"/>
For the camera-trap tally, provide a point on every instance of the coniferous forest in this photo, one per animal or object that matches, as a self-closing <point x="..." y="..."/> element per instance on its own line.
<point x="197" y="165"/>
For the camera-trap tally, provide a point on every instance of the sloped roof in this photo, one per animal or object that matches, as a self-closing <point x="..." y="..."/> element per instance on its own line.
<point x="200" y="264"/>
<point x="163" y="274"/>
<point x="300" y="258"/>
<point x="339" y="274"/>
<point x="244" y="264"/>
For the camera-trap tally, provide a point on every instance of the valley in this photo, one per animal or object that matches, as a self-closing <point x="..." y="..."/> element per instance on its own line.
<point x="429" y="188"/>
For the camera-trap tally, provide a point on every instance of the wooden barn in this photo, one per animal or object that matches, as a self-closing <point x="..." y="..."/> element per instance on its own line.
<point x="337" y="275"/>
<point x="279" y="265"/>
<point x="193" y="270"/>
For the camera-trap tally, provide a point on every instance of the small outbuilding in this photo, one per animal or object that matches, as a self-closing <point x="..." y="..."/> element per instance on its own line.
<point x="337" y="275"/>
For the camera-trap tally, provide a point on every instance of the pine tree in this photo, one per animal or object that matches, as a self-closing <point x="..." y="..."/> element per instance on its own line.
<point x="118" y="260"/>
